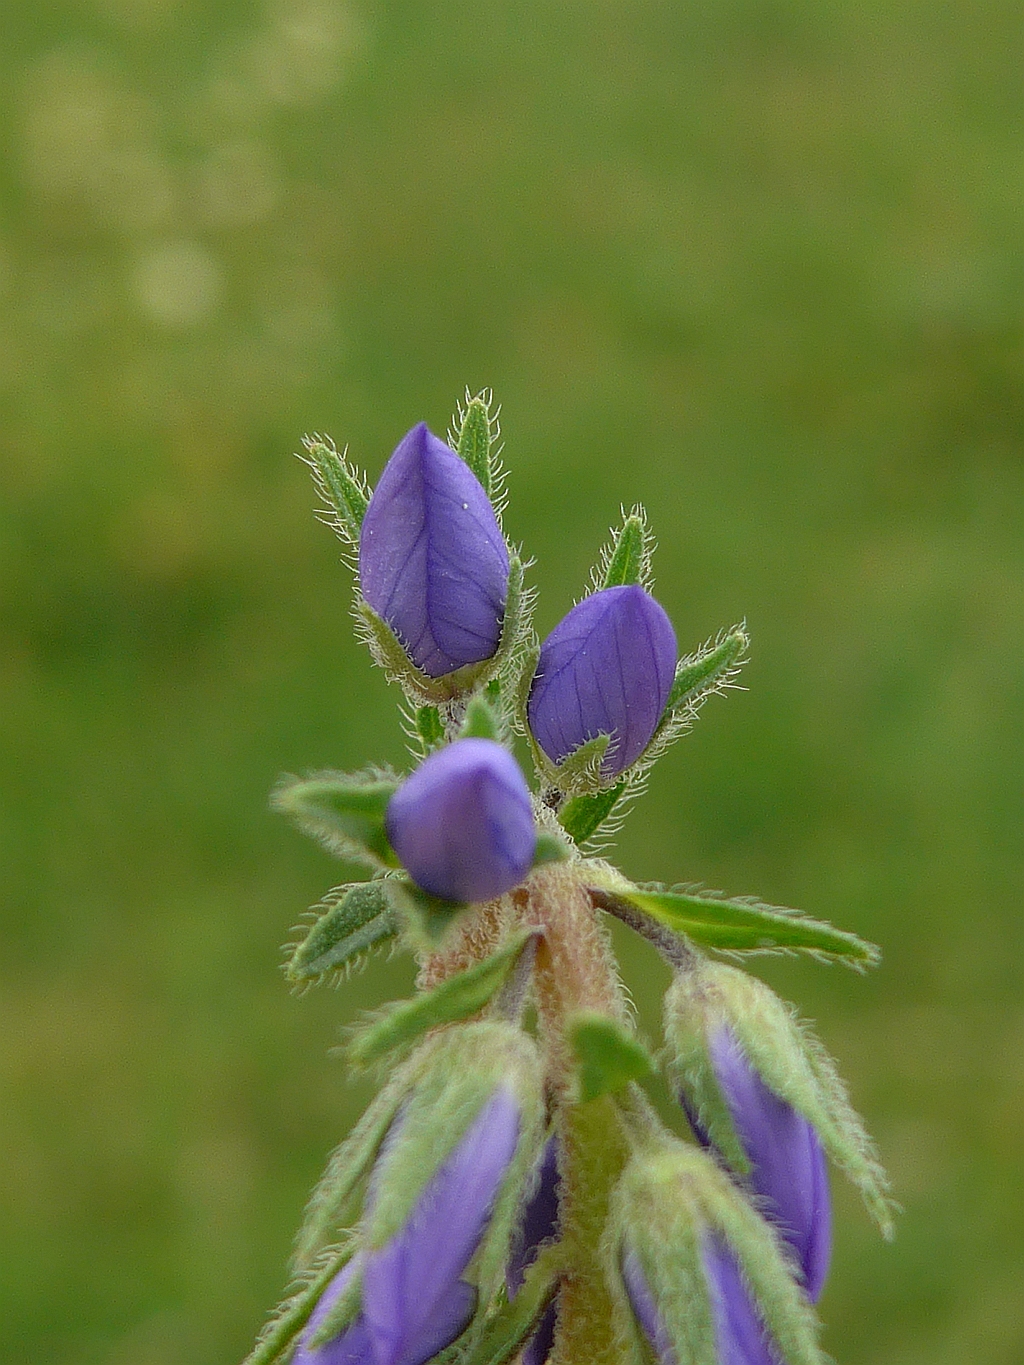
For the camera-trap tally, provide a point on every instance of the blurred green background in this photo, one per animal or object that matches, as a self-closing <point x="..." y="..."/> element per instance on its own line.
<point x="757" y="263"/>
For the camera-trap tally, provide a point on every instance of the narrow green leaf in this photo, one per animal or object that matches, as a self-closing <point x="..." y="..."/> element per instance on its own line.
<point x="295" y="1312"/>
<point x="481" y="720"/>
<point x="582" y="816"/>
<point x="626" y="561"/>
<point x="345" y="811"/>
<point x="740" y="926"/>
<point x="354" y="919"/>
<point x="457" y="998"/>
<point x="474" y="440"/>
<point x="513" y="1322"/>
<point x="702" y="673"/>
<point x="608" y="1056"/>
<point x="338" y="485"/>
<point x="429" y="727"/>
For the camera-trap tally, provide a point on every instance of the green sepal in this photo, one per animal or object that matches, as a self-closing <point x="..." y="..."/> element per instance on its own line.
<point x="582" y="816"/>
<point x="457" y="998"/>
<point x="354" y="919"/>
<point x="388" y="652"/>
<point x="481" y="720"/>
<point x="785" y="1053"/>
<point x="341" y="488"/>
<point x="512" y="1323"/>
<point x="673" y="1196"/>
<point x="341" y="1314"/>
<point x="429" y="728"/>
<point x="550" y="849"/>
<point x="743" y="926"/>
<point x="608" y="1056"/>
<point x="427" y="918"/>
<point x="579" y="772"/>
<point x="474" y="435"/>
<point x="344" y="811"/>
<point x="288" y="1321"/>
<point x="334" y="1203"/>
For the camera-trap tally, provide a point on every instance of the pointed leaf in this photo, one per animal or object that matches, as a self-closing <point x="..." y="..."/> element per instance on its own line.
<point x="474" y="440"/>
<point x="344" y="811"/>
<point x="607" y="1055"/>
<point x="354" y="919"/>
<point x="741" y="926"/>
<point x="340" y="488"/>
<point x="626" y="561"/>
<point x="582" y="816"/>
<point x="457" y="998"/>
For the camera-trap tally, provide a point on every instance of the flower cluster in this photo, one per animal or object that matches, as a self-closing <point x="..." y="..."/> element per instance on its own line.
<point x="510" y="1194"/>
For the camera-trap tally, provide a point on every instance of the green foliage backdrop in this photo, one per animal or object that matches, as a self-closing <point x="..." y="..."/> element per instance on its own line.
<point x="753" y="262"/>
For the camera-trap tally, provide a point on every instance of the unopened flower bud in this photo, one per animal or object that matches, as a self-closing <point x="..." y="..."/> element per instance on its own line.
<point x="462" y="824"/>
<point x="432" y="560"/>
<point x="413" y="1299"/>
<point x="701" y="1271"/>
<point x="606" y="668"/>
<point x="788" y="1172"/>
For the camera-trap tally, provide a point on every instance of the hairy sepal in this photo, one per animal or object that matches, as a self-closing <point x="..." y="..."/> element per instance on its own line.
<point x="608" y="1055"/>
<point x="669" y="1200"/>
<point x="788" y="1057"/>
<point x="455" y="1073"/>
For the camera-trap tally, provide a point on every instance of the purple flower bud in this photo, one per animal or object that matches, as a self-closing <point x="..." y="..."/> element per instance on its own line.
<point x="432" y="559"/>
<point x="606" y="668"/>
<point x="788" y="1170"/>
<point x="741" y="1337"/>
<point x="414" y="1299"/>
<point x="462" y="824"/>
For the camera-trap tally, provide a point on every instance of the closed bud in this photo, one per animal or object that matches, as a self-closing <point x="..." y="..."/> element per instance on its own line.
<point x="462" y="824"/>
<point x="762" y="1094"/>
<point x="432" y="560"/>
<point x="443" y="1194"/>
<point x="606" y="668"/>
<point x="700" y="1271"/>
<point x="787" y="1170"/>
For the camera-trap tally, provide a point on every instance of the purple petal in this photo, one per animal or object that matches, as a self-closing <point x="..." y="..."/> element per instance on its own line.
<point x="412" y="1291"/>
<point x="540" y="1218"/>
<point x="350" y="1347"/>
<point x="462" y="824"/>
<point x="432" y="559"/>
<point x="606" y="668"/>
<point x="645" y="1309"/>
<point x="788" y="1164"/>
<point x="741" y="1337"/>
